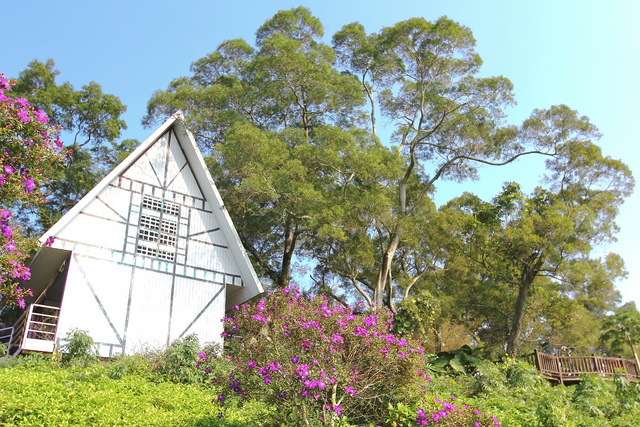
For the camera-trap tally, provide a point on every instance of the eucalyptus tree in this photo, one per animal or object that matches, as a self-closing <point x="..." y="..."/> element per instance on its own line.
<point x="447" y="121"/>
<point x="548" y="239"/>
<point x="285" y="122"/>
<point x="271" y="118"/>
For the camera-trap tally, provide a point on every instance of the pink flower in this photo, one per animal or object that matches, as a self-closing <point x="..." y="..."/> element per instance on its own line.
<point x="29" y="184"/>
<point x="42" y="117"/>
<point x="24" y="114"/>
<point x="8" y="170"/>
<point x="21" y="302"/>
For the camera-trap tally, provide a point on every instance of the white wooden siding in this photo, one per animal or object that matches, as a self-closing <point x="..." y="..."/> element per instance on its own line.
<point x="137" y="300"/>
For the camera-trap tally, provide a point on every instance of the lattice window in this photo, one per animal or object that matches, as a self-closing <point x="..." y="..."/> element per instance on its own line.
<point x="149" y="222"/>
<point x="166" y="255"/>
<point x="154" y="230"/>
<point x="169" y="227"/>
<point x="143" y="250"/>
<point x="148" y="235"/>
<point x="160" y="205"/>
<point x="152" y="252"/>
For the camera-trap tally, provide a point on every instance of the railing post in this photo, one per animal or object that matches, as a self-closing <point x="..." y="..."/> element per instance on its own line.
<point x="559" y="368"/>
<point x="27" y="321"/>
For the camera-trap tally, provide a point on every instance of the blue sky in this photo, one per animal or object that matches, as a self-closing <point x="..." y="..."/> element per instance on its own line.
<point x="585" y="54"/>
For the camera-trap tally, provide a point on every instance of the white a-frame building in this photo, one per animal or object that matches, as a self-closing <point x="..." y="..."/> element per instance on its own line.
<point x="148" y="256"/>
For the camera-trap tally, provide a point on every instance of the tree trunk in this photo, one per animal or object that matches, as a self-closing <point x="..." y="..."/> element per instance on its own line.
<point x="526" y="279"/>
<point x="385" y="268"/>
<point x="437" y="335"/>
<point x="287" y="254"/>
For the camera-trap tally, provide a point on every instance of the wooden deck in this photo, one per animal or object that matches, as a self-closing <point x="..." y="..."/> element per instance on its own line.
<point x="568" y="369"/>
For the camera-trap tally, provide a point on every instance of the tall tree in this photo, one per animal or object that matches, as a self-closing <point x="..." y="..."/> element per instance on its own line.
<point x="549" y="237"/>
<point x="264" y="114"/>
<point x="91" y="125"/>
<point x="283" y="121"/>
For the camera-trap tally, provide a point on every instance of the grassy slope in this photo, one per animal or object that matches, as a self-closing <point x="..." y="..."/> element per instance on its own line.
<point x="39" y="392"/>
<point x="42" y="394"/>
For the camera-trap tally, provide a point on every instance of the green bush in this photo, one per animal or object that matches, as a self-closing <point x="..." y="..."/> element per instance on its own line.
<point x="137" y="364"/>
<point x="79" y="348"/>
<point x="50" y="394"/>
<point x="179" y="362"/>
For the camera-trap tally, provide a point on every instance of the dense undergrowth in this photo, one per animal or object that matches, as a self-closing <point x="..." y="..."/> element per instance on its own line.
<point x="167" y="389"/>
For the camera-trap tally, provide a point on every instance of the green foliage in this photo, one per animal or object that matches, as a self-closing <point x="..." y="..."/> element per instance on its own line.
<point x="622" y="329"/>
<point x="79" y="347"/>
<point x="178" y="363"/>
<point x="42" y="393"/>
<point x="142" y="365"/>
<point x="464" y="360"/>
<point x="417" y="315"/>
<point x="37" y="390"/>
<point x="91" y="124"/>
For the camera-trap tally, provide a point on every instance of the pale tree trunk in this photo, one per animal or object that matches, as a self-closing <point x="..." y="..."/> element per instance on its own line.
<point x="526" y="279"/>
<point x="384" y="272"/>
<point x="633" y="350"/>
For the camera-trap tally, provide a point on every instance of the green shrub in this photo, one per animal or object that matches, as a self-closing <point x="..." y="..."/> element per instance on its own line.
<point x="49" y="394"/>
<point x="137" y="364"/>
<point x="79" y="348"/>
<point x="179" y="362"/>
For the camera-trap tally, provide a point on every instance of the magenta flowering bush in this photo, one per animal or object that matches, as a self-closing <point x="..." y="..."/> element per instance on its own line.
<point x="29" y="150"/>
<point x="434" y="411"/>
<point x="316" y="362"/>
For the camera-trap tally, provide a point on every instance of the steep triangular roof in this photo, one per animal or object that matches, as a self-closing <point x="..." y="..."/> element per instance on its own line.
<point x="235" y="295"/>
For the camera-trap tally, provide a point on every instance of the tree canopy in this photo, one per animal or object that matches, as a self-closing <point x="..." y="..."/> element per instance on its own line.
<point x="91" y="128"/>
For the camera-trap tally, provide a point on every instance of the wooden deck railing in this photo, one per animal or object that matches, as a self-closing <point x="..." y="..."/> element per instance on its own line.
<point x="569" y="368"/>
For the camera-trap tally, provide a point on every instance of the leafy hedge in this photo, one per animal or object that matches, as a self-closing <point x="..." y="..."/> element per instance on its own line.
<point x="38" y="392"/>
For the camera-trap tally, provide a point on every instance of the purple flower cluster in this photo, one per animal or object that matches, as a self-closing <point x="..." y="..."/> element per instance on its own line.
<point x="288" y="345"/>
<point x="445" y="409"/>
